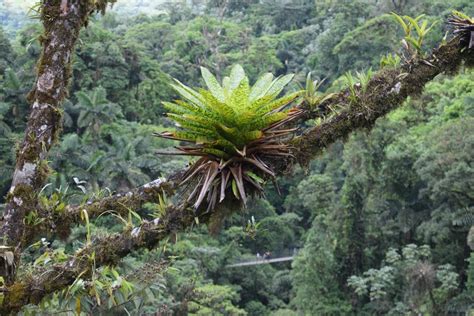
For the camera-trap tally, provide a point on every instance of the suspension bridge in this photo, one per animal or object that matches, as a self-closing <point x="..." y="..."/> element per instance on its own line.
<point x="281" y="257"/>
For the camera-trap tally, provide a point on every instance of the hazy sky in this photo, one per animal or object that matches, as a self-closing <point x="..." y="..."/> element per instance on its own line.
<point x="18" y="3"/>
<point x="17" y="11"/>
<point x="26" y="4"/>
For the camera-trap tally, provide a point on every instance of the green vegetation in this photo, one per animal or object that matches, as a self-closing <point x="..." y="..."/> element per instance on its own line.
<point x="231" y="127"/>
<point x="380" y="221"/>
<point x="226" y="119"/>
<point x="410" y="26"/>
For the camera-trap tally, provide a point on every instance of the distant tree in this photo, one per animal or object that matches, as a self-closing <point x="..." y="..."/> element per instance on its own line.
<point x="94" y="109"/>
<point x="6" y="53"/>
<point x="314" y="274"/>
<point x="408" y="282"/>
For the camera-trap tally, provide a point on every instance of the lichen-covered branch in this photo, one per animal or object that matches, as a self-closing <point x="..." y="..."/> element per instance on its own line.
<point x="60" y="223"/>
<point x="386" y="91"/>
<point x="61" y="31"/>
<point x="106" y="251"/>
<point x="62" y="21"/>
<point x="121" y="203"/>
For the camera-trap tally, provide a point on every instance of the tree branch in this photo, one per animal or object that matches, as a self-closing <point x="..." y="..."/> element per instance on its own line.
<point x="61" y="30"/>
<point x="60" y="223"/>
<point x="384" y="93"/>
<point x="62" y="22"/>
<point x="106" y="251"/>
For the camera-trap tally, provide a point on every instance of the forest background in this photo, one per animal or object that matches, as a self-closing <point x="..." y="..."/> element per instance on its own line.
<point x="381" y="220"/>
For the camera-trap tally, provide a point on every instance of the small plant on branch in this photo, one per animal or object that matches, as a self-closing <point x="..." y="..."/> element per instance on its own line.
<point x="356" y="83"/>
<point x="232" y="127"/>
<point x="463" y="27"/>
<point x="413" y="40"/>
<point x="389" y="61"/>
<point x="312" y="96"/>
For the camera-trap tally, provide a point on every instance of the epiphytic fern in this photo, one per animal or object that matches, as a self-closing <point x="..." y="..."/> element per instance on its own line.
<point x="231" y="127"/>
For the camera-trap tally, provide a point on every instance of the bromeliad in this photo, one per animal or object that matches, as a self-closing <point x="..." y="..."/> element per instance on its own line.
<point x="463" y="27"/>
<point x="232" y="128"/>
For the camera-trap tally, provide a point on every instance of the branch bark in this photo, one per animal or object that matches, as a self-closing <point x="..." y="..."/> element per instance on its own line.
<point x="62" y="24"/>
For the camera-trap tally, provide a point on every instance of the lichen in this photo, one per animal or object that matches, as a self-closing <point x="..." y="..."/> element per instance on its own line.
<point x="18" y="201"/>
<point x="24" y="175"/>
<point x="46" y="81"/>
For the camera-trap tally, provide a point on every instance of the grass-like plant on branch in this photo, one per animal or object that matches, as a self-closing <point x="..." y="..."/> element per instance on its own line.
<point x="415" y="30"/>
<point x="232" y="128"/>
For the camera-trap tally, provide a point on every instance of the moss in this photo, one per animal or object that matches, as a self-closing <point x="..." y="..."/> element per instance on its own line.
<point x="22" y="191"/>
<point x="220" y="213"/>
<point x="450" y="55"/>
<point x="43" y="171"/>
<point x="14" y="299"/>
<point x="63" y="229"/>
<point x="469" y="57"/>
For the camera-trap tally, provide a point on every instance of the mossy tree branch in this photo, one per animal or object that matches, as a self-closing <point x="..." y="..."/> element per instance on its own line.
<point x="386" y="91"/>
<point x="59" y="223"/>
<point x="62" y="21"/>
<point x="106" y="251"/>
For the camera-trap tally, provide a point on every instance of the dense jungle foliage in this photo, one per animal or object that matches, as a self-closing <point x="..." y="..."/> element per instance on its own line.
<point x="378" y="224"/>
